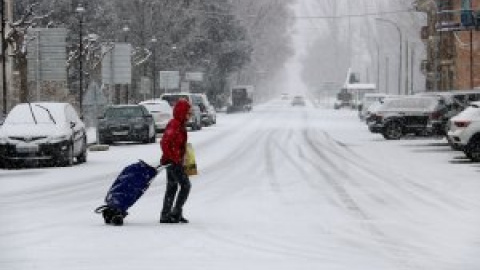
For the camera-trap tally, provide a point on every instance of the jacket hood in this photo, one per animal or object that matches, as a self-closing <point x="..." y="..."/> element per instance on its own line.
<point x="181" y="109"/>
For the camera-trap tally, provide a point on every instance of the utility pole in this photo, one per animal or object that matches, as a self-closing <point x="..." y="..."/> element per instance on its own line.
<point x="4" y="58"/>
<point x="80" y="10"/>
<point x="400" y="52"/>
<point x="387" y="67"/>
<point x="406" y="66"/>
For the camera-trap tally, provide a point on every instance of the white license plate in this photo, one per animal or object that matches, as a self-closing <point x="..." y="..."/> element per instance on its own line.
<point x="27" y="148"/>
<point x="120" y="133"/>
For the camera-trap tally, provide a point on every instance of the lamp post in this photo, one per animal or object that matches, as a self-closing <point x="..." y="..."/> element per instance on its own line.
<point x="378" y="63"/>
<point x="125" y="30"/>
<point x="4" y="59"/>
<point x="154" y="73"/>
<point x="80" y="10"/>
<point x="400" y="56"/>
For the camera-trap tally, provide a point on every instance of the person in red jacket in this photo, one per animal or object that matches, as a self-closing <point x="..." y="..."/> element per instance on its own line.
<point x="173" y="144"/>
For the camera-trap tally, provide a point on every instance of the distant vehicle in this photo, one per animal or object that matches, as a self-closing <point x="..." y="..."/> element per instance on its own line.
<point x="464" y="131"/>
<point x="195" y="122"/>
<point x="407" y="115"/>
<point x="161" y="112"/>
<point x="352" y="94"/>
<point x="43" y="132"/>
<point x="241" y="98"/>
<point x="209" y="115"/>
<point x="126" y="123"/>
<point x="344" y="99"/>
<point x="284" y="96"/>
<point x="298" y="101"/>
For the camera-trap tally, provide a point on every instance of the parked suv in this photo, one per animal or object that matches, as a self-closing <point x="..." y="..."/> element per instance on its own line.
<point x="464" y="131"/>
<point x="209" y="116"/>
<point x="407" y="115"/>
<point x="126" y="123"/>
<point x="195" y="122"/>
<point x="43" y="132"/>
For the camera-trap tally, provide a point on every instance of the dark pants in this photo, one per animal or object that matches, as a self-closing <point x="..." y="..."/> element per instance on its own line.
<point x="176" y="176"/>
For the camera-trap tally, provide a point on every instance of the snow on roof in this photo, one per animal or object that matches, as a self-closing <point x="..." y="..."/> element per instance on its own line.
<point x="361" y="86"/>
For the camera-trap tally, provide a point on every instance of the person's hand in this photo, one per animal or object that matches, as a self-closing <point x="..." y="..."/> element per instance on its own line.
<point x="166" y="163"/>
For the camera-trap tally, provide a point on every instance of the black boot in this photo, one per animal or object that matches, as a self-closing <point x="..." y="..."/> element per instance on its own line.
<point x="165" y="218"/>
<point x="177" y="217"/>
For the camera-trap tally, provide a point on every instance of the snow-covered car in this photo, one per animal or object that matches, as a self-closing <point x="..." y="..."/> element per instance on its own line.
<point x="126" y="123"/>
<point x="464" y="131"/>
<point x="408" y="115"/>
<point x="161" y="112"/>
<point x="45" y="131"/>
<point x="209" y="115"/>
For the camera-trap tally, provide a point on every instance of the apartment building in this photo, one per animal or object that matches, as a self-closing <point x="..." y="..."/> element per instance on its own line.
<point x="452" y="43"/>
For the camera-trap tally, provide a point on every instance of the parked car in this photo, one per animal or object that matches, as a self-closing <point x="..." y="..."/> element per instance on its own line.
<point x="43" y="132"/>
<point x="367" y="100"/>
<point x="126" y="123"/>
<point x="455" y="102"/>
<point x="464" y="131"/>
<point x="407" y="115"/>
<point x="195" y="122"/>
<point x="209" y="115"/>
<point x="161" y="112"/>
<point x="298" y="101"/>
<point x="376" y="106"/>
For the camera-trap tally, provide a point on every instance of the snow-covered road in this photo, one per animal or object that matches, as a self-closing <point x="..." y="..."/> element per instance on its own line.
<point x="279" y="188"/>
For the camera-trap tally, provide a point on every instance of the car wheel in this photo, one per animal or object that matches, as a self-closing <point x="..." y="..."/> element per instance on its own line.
<point x="82" y="158"/>
<point x="67" y="159"/>
<point x="154" y="137"/>
<point x="393" y="131"/>
<point x="472" y="150"/>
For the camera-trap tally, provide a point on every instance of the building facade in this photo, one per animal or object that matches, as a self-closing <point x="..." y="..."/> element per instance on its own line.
<point x="452" y="44"/>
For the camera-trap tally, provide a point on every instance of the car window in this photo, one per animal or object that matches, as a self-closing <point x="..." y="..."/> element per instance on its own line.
<point x="173" y="99"/>
<point x="126" y="112"/>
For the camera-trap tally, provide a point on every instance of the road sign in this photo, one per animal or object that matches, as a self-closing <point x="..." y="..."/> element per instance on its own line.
<point x="47" y="55"/>
<point x="194" y="76"/>
<point x="169" y="79"/>
<point x="117" y="64"/>
<point x="145" y="85"/>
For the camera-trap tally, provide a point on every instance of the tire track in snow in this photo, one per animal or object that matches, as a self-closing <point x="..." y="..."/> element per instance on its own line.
<point x="394" y="250"/>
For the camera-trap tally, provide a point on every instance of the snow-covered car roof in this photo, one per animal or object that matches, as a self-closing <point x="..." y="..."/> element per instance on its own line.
<point x="424" y="103"/>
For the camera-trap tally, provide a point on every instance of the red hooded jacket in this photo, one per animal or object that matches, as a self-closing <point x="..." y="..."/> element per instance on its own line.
<point x="174" y="139"/>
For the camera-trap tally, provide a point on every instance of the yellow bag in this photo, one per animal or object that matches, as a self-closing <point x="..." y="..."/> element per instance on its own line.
<point x="190" y="164"/>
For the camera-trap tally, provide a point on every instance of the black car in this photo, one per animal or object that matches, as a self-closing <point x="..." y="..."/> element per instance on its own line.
<point x="298" y="101"/>
<point x="126" y="123"/>
<point x="409" y="115"/>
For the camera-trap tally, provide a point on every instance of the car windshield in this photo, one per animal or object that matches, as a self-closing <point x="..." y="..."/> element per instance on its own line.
<point x="25" y="114"/>
<point x="124" y="112"/>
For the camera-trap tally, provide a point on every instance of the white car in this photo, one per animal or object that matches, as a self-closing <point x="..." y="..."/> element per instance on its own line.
<point x="464" y="131"/>
<point x="50" y="132"/>
<point x="161" y="112"/>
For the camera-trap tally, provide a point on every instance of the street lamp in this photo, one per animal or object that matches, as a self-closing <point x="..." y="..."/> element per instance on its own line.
<point x="400" y="56"/>
<point x="80" y="10"/>
<point x="125" y="30"/>
<point x="4" y="59"/>
<point x="154" y="42"/>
